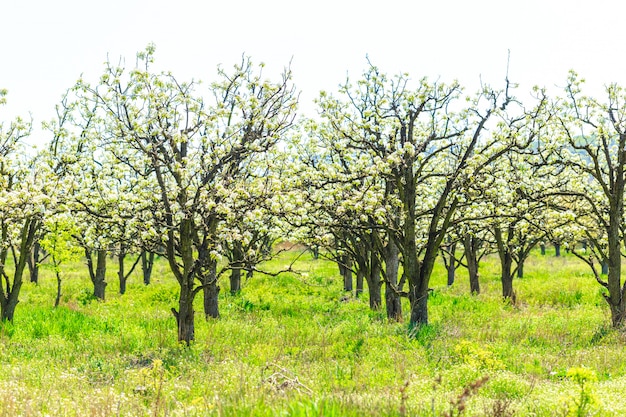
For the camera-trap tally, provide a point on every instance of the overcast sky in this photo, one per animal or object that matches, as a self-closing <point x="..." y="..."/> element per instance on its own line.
<point x="46" y="45"/>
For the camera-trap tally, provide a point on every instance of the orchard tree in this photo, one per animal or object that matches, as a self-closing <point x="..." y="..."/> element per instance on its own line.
<point x="593" y="146"/>
<point x="190" y="151"/>
<point x="247" y="236"/>
<point x="340" y="201"/>
<point x="58" y="241"/>
<point x="423" y="155"/>
<point x="73" y="159"/>
<point x="23" y="204"/>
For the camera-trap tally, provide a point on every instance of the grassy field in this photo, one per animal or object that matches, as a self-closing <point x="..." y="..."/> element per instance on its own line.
<point x="289" y="346"/>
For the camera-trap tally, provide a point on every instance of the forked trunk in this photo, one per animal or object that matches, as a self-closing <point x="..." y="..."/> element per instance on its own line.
<point x="470" y="247"/>
<point x="450" y="262"/>
<point x="9" y="298"/>
<point x="506" y="263"/>
<point x="147" y="262"/>
<point x="33" y="262"/>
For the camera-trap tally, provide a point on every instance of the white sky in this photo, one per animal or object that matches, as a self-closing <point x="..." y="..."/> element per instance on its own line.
<point x="46" y="45"/>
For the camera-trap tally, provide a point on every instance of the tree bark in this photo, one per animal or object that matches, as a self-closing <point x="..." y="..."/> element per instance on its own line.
<point x="615" y="298"/>
<point x="360" y="275"/>
<point x="557" y="249"/>
<point x="58" y="297"/>
<point x="507" y="279"/>
<point x="211" y="306"/>
<point x="346" y="271"/>
<point x="235" y="281"/>
<point x="99" y="282"/>
<point x="120" y="271"/>
<point x="33" y="262"/>
<point x="9" y="299"/>
<point x="419" y="307"/>
<point x="237" y="262"/>
<point x="211" y="292"/>
<point x="450" y="263"/>
<point x="506" y="264"/>
<point x="147" y="263"/>
<point x="185" y="314"/>
<point x="520" y="267"/>
<point x="374" y="285"/>
<point x="471" y="245"/>
<point x="393" y="301"/>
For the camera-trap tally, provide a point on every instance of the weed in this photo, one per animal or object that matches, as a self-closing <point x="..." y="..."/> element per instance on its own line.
<point x="585" y="401"/>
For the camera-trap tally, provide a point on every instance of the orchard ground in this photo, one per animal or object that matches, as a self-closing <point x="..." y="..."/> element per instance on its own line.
<point x="293" y="345"/>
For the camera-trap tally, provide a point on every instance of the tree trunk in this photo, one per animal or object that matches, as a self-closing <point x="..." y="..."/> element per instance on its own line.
<point x="235" y="281"/>
<point x="374" y="285"/>
<point x="120" y="271"/>
<point x="237" y="262"/>
<point x="185" y="314"/>
<point x="470" y="246"/>
<point x="99" y="282"/>
<point x="9" y="299"/>
<point x="7" y="309"/>
<point x="341" y="265"/>
<point x="211" y="292"/>
<point x="33" y="262"/>
<point x="419" y="307"/>
<point x="557" y="249"/>
<point x="58" y="298"/>
<point x="616" y="298"/>
<point x="347" y="280"/>
<point x="605" y="267"/>
<point x="506" y="264"/>
<point x="347" y="272"/>
<point x="147" y="262"/>
<point x="542" y="245"/>
<point x="393" y="301"/>
<point x="520" y="267"/>
<point x="211" y="306"/>
<point x="451" y="273"/>
<point x="360" y="275"/>
<point x="507" y="286"/>
<point x="450" y="262"/>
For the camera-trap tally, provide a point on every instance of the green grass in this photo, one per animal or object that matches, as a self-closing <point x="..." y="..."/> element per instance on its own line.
<point x="290" y="346"/>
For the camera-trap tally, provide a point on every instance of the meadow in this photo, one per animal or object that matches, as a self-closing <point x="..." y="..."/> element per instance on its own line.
<point x="294" y="345"/>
